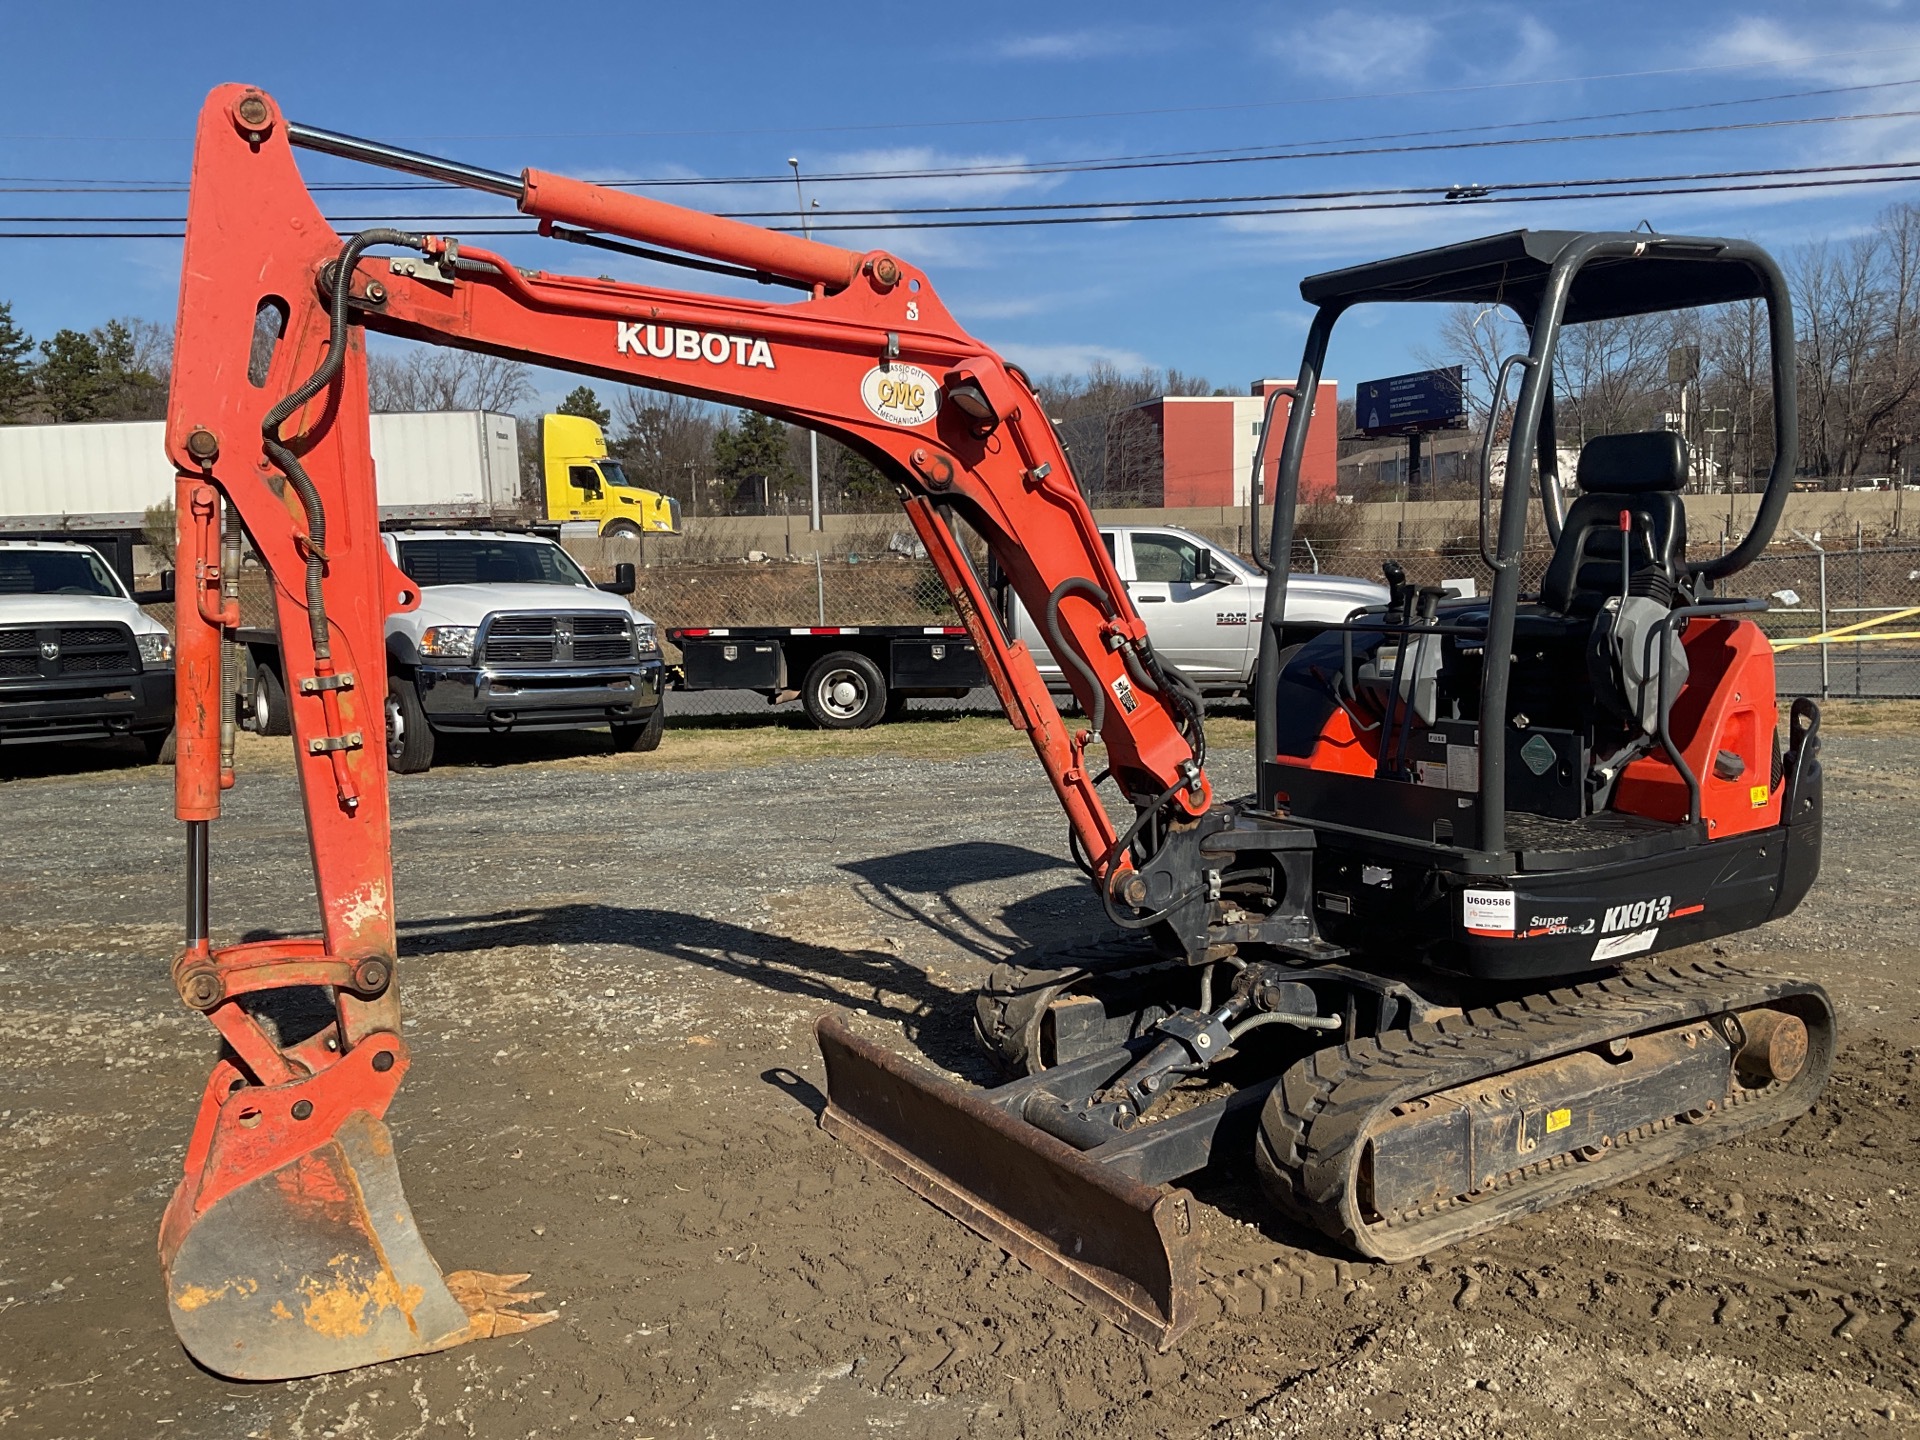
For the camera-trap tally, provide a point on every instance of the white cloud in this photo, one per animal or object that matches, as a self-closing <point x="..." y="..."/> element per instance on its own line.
<point x="1070" y="359"/>
<point x="1359" y="46"/>
<point x="1536" y="49"/>
<point x="1372" y="47"/>
<point x="1853" y="55"/>
<point x="1088" y="44"/>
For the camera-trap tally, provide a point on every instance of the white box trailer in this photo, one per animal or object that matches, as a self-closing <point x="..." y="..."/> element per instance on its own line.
<point x="451" y="465"/>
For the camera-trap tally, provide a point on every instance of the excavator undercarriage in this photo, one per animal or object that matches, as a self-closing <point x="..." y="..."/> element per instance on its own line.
<point x="1409" y="978"/>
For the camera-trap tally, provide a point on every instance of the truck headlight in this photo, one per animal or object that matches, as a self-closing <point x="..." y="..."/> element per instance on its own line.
<point x="646" y="639"/>
<point x="448" y="642"/>
<point x="155" y="649"/>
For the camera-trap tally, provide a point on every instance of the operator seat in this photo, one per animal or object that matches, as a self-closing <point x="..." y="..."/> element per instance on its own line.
<point x="1643" y="475"/>
<point x="1620" y="617"/>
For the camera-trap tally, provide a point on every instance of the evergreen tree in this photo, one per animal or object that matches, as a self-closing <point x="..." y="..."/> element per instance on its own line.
<point x="70" y="376"/>
<point x="16" y="368"/>
<point x="129" y="390"/>
<point x="584" y="402"/>
<point x="750" y="460"/>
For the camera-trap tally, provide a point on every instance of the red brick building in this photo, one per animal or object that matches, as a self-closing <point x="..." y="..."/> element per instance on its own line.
<point x="1208" y="444"/>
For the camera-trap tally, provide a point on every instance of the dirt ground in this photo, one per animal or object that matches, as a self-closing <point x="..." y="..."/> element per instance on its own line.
<point x="612" y="969"/>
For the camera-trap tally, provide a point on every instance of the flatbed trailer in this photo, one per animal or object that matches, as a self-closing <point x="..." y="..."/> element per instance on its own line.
<point x="846" y="677"/>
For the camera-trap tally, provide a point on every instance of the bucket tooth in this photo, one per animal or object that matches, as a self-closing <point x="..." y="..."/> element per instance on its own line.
<point x="1122" y="1248"/>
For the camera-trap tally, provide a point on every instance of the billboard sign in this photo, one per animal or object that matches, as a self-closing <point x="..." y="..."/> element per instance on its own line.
<point x="1404" y="404"/>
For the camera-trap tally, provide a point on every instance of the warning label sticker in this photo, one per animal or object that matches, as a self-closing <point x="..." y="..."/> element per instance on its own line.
<point x="1488" y="912"/>
<point x="1615" y="947"/>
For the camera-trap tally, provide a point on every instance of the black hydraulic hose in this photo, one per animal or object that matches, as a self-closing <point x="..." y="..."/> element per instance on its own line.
<point x="289" y="463"/>
<point x="1121" y="847"/>
<point x="1064" y="653"/>
<point x="1186" y="696"/>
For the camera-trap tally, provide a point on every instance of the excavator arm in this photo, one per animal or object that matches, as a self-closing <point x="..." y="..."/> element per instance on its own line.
<point x="288" y="1245"/>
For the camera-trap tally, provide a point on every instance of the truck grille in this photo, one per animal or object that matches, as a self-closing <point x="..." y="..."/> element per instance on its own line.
<point x="558" y="640"/>
<point x="520" y="640"/>
<point x="50" y="651"/>
<point x="601" y="638"/>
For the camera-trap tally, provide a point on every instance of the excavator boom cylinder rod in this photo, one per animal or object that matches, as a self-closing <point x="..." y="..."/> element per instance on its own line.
<point x="408" y="162"/>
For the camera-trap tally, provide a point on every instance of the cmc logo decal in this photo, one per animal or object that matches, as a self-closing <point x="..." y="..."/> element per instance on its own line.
<point x="901" y="394"/>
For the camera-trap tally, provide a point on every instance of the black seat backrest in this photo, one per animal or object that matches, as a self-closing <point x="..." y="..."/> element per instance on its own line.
<point x="1643" y="475"/>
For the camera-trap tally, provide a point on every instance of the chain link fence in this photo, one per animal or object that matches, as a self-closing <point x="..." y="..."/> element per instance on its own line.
<point x="1810" y="592"/>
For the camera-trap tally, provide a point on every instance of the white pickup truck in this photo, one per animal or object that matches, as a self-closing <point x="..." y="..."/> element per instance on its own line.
<point x="510" y="636"/>
<point x="1203" y="606"/>
<point x="79" y="660"/>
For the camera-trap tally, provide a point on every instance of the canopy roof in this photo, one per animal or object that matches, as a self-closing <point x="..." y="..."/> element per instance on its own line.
<point x="1672" y="272"/>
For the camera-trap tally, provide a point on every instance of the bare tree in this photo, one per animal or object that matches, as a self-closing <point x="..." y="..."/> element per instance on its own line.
<point x="1110" y="435"/>
<point x="666" y="444"/>
<point x="1736" y="375"/>
<point x="440" y="379"/>
<point x="1477" y="338"/>
<point x="1608" y="375"/>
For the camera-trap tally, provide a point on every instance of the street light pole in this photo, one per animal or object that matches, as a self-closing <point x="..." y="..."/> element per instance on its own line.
<point x="813" y="436"/>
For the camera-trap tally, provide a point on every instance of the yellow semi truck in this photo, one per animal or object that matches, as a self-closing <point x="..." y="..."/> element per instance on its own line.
<point x="585" y="484"/>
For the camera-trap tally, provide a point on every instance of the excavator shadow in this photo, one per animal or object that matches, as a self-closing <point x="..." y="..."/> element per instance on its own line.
<point x="885" y="985"/>
<point x="922" y="887"/>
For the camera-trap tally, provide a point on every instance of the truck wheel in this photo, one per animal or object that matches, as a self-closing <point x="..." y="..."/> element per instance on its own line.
<point x="621" y="530"/>
<point x="269" y="702"/>
<point x="844" y="691"/>
<point x="409" y="737"/>
<point x="642" y="737"/>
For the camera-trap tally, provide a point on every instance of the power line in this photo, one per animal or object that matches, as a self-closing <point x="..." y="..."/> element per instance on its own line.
<point x="1450" y="192"/>
<point x="1058" y="220"/>
<point x="1368" y="205"/>
<point x="1277" y="150"/>
<point x="1085" y="167"/>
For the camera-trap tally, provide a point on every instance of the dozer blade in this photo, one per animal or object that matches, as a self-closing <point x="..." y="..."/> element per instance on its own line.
<point x="317" y="1266"/>
<point x="1124" y="1249"/>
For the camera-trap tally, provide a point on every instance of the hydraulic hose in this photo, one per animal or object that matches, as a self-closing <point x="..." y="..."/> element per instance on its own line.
<point x="1170" y="683"/>
<point x="1064" y="653"/>
<point x="1120" y="847"/>
<point x="289" y="463"/>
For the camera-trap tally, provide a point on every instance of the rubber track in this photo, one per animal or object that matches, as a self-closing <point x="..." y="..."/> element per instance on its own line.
<point x="1314" y="1126"/>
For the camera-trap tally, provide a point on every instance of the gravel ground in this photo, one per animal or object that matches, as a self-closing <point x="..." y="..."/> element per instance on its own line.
<point x="612" y="974"/>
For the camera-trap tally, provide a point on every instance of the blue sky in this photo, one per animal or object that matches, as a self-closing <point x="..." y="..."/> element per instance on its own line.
<point x="642" y="90"/>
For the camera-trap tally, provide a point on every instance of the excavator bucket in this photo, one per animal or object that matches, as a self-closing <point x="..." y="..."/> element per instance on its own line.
<point x="289" y="1249"/>
<point x="314" y="1266"/>
<point x="1123" y="1248"/>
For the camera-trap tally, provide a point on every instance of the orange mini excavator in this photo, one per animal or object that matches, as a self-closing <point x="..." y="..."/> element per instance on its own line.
<point x="1408" y="975"/>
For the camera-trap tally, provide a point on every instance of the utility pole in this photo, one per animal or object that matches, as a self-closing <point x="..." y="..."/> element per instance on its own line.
<point x="813" y="436"/>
